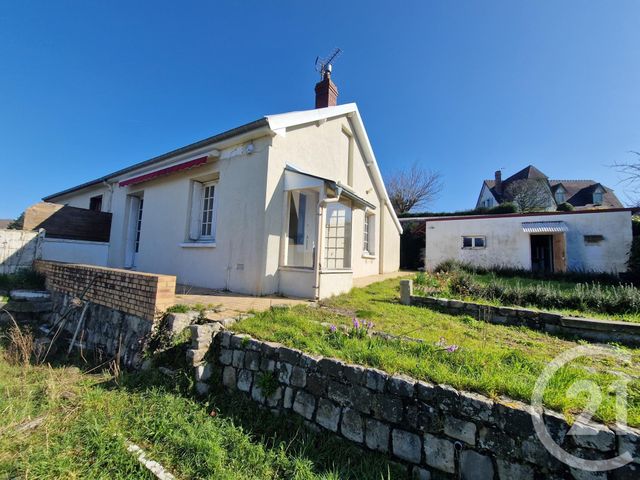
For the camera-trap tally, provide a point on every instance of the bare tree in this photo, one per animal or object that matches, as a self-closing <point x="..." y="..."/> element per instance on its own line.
<point x="413" y="188"/>
<point x="529" y="195"/>
<point x="630" y="175"/>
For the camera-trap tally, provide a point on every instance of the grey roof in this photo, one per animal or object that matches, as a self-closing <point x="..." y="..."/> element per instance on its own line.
<point x="579" y="193"/>
<point x="247" y="127"/>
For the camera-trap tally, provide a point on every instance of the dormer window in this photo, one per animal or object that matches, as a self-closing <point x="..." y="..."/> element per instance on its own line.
<point x="597" y="196"/>
<point x="560" y="196"/>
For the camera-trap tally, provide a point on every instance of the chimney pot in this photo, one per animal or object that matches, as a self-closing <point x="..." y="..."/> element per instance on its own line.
<point x="498" y="184"/>
<point x="326" y="92"/>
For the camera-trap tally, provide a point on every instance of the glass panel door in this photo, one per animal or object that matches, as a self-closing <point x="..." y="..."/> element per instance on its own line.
<point x="338" y="237"/>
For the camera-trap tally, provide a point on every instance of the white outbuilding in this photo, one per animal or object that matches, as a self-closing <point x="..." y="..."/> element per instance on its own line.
<point x="582" y="240"/>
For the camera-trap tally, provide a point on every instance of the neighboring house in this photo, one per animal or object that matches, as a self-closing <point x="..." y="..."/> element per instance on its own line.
<point x="582" y="194"/>
<point x="581" y="240"/>
<point x="291" y="203"/>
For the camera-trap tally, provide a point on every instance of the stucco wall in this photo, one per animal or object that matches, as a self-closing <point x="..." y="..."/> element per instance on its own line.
<point x="76" y="251"/>
<point x="18" y="249"/>
<point x="508" y="245"/>
<point x="81" y="199"/>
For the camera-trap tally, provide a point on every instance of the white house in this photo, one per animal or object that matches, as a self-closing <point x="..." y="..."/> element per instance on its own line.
<point x="291" y="203"/>
<point x="580" y="240"/>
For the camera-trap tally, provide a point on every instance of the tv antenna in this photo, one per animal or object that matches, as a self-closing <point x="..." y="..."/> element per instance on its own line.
<point x="323" y="65"/>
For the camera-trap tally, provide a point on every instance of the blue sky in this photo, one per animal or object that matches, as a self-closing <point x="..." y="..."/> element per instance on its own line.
<point x="464" y="87"/>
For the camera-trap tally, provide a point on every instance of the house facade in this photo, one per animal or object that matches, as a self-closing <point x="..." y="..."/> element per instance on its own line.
<point x="581" y="240"/>
<point x="291" y="204"/>
<point x="580" y="194"/>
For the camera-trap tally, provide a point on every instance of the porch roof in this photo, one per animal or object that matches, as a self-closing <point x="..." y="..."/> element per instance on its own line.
<point x="544" y="227"/>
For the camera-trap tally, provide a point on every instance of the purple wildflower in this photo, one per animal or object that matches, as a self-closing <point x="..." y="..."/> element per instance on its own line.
<point x="356" y="323"/>
<point x="333" y="328"/>
<point x="452" y="348"/>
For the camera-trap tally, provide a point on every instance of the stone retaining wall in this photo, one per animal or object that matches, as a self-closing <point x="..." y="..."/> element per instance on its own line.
<point x="144" y="295"/>
<point x="435" y="430"/>
<point x="594" y="330"/>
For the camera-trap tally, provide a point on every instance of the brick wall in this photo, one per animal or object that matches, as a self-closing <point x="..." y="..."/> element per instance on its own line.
<point x="136" y="293"/>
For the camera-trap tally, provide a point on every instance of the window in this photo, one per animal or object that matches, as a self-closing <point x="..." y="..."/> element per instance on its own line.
<point x="560" y="196"/>
<point x="95" y="203"/>
<point x="203" y="212"/>
<point x="301" y="232"/>
<point x="473" y="243"/>
<point x="488" y="203"/>
<point x="597" y="197"/>
<point x="338" y="237"/>
<point x="369" y="240"/>
<point x="593" y="239"/>
<point x="138" y="226"/>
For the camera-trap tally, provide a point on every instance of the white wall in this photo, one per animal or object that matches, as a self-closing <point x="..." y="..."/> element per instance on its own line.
<point x="485" y="194"/>
<point x="18" y="249"/>
<point x="75" y="251"/>
<point x="509" y="246"/>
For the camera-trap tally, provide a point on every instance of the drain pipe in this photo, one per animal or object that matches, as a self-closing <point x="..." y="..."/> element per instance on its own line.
<point x="323" y="203"/>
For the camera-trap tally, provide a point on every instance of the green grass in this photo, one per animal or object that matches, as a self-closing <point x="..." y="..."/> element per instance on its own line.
<point x="492" y="359"/>
<point x="27" y="279"/>
<point x="89" y="418"/>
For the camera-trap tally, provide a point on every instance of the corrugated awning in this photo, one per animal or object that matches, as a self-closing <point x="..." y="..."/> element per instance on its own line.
<point x="164" y="171"/>
<point x="544" y="227"/>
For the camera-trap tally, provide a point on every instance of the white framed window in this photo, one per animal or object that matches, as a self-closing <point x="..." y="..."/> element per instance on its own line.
<point x="369" y="234"/>
<point x="597" y="197"/>
<point x="560" y="196"/>
<point x="203" y="212"/>
<point x="475" y="242"/>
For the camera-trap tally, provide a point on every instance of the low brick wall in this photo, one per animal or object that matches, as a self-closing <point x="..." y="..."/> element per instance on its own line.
<point x="435" y="430"/>
<point x="136" y="293"/>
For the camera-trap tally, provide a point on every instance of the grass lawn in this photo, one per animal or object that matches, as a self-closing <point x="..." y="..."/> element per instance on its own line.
<point x="88" y="419"/>
<point x="491" y="359"/>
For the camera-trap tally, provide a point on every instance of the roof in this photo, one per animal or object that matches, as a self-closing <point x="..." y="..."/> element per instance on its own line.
<point x="579" y="193"/>
<point x="510" y="215"/>
<point x="544" y="227"/>
<point x="274" y="125"/>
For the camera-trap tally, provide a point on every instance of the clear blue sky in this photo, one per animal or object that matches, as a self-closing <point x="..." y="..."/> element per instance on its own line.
<point x="87" y="87"/>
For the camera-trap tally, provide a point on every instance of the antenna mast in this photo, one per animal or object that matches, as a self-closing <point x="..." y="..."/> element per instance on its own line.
<point x="323" y="65"/>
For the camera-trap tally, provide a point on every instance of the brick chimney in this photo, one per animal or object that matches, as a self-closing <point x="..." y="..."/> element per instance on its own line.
<point x="498" y="185"/>
<point x="326" y="91"/>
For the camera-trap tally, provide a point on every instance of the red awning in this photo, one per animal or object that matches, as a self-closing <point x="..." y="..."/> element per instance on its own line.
<point x="165" y="171"/>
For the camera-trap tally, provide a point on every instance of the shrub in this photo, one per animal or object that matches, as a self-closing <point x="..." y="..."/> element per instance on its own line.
<point x="565" y="207"/>
<point x="420" y="279"/>
<point x="27" y="279"/>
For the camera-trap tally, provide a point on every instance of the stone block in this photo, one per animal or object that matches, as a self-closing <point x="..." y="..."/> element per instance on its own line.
<point x="328" y="414"/>
<point x="406" y="291"/>
<point x="195" y="357"/>
<point x="387" y="407"/>
<point x="460" y="430"/>
<point x="252" y="360"/>
<point x="476" y="406"/>
<point x="229" y="377"/>
<point x="420" y="474"/>
<point x="238" y="341"/>
<point x="447" y="398"/>
<point x="177" y="322"/>
<point x="376" y="379"/>
<point x="406" y="445"/>
<point x="203" y="372"/>
<point x="354" y="374"/>
<point x="474" y="466"/>
<point x="304" y="404"/>
<point x="401" y="385"/>
<point x="376" y="435"/>
<point x="352" y="426"/>
<point x="439" y="453"/>
<point x="253" y="345"/>
<point x="226" y="356"/>
<point x="274" y="398"/>
<point x="513" y="471"/>
<point x="257" y="394"/>
<point x="628" y="441"/>
<point x="267" y="364"/>
<point x="316" y="385"/>
<point x="284" y="372"/>
<point x="514" y="417"/>
<point x="245" y="378"/>
<point x="331" y="367"/>
<point x="237" y="359"/>
<point x="308" y="362"/>
<point x="289" y="355"/>
<point x="202" y="388"/>
<point x="594" y="436"/>
<point x="298" y="377"/>
<point x="288" y="398"/>
<point x="425" y="391"/>
<point x="496" y="441"/>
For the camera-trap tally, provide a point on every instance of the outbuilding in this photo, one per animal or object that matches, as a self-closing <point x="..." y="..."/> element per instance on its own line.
<point x="582" y="240"/>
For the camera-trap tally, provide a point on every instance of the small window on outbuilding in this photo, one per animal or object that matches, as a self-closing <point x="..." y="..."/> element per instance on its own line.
<point x="598" y="196"/>
<point x="474" y="242"/>
<point x="593" y="239"/>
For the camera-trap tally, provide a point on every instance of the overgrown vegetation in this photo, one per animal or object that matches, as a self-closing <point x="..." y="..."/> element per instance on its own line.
<point x="197" y="307"/>
<point x="506" y="207"/>
<point x="27" y="279"/>
<point x="455" y="350"/>
<point x="600" y="293"/>
<point x="62" y="423"/>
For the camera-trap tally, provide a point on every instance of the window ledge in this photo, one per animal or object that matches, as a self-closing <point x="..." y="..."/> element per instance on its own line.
<point x="369" y="256"/>
<point x="289" y="268"/>
<point x="198" y="245"/>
